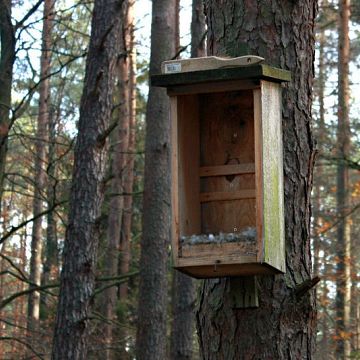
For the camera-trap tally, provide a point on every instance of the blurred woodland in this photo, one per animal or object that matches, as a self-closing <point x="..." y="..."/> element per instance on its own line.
<point x="65" y="86"/>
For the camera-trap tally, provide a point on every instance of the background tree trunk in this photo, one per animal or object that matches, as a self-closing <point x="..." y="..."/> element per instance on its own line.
<point x="319" y="268"/>
<point x="198" y="34"/>
<point x="128" y="173"/>
<point x="7" y="38"/>
<point x="182" y="334"/>
<point x="42" y="139"/>
<point x="283" y="327"/>
<point x="51" y="263"/>
<point x="81" y="243"/>
<point x="120" y="141"/>
<point x="343" y="246"/>
<point x="151" y="330"/>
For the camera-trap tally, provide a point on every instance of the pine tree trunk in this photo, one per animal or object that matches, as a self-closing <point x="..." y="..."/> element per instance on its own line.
<point x="322" y="292"/>
<point x="198" y="29"/>
<point x="184" y="286"/>
<point x="343" y="278"/>
<point x="51" y="264"/>
<point x="40" y="166"/>
<point x="82" y="236"/>
<point x="128" y="173"/>
<point x="355" y="293"/>
<point x="120" y="141"/>
<point x="321" y="130"/>
<point x="283" y="326"/>
<point x="7" y="38"/>
<point x="151" y="330"/>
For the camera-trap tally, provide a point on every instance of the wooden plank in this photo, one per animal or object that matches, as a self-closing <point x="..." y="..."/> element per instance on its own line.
<point x="188" y="164"/>
<point x="220" y="86"/>
<point x="175" y="229"/>
<point x="232" y="270"/>
<point x="228" y="195"/>
<point x="234" y="169"/>
<point x="227" y="138"/>
<point x="243" y="291"/>
<point x="272" y="172"/>
<point x="206" y="250"/>
<point x="258" y="174"/>
<point x="260" y="71"/>
<point x="207" y="63"/>
<point x="216" y="259"/>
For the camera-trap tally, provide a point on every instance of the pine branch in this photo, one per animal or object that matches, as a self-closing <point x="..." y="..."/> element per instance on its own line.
<point x="14" y="229"/>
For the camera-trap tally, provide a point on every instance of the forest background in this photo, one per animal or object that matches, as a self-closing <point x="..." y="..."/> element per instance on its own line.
<point x="50" y="48"/>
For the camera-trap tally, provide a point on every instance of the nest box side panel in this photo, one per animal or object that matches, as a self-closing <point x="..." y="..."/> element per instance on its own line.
<point x="188" y="164"/>
<point x="272" y="176"/>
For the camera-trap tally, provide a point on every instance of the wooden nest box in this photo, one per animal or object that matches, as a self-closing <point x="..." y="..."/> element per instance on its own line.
<point x="227" y="166"/>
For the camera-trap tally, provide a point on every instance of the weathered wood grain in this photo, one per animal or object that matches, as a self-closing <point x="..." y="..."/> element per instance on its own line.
<point x="207" y="63"/>
<point x="260" y="71"/>
<point x="272" y="172"/>
<point x="234" y="169"/>
<point x="227" y="139"/>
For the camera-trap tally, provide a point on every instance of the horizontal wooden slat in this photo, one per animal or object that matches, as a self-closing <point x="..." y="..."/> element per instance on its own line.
<point x="228" y="195"/>
<point x="213" y="87"/>
<point x="215" y="259"/>
<point x="233" y="169"/>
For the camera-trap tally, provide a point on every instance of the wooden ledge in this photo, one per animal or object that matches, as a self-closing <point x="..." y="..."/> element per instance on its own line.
<point x="227" y="195"/>
<point x="233" y="169"/>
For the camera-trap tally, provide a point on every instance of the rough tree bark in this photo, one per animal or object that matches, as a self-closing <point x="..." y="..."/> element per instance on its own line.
<point x="182" y="334"/>
<point x="81" y="242"/>
<point x="283" y="326"/>
<point x="151" y="330"/>
<point x="42" y="138"/>
<point x="7" y="59"/>
<point x="198" y="29"/>
<point x="119" y="140"/>
<point x="343" y="245"/>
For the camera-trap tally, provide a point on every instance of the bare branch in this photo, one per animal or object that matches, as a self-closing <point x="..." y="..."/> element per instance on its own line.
<point x="11" y="338"/>
<point x="14" y="229"/>
<point x="29" y="13"/>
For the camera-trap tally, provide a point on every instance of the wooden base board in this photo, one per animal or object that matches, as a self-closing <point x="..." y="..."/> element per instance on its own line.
<point x="227" y="270"/>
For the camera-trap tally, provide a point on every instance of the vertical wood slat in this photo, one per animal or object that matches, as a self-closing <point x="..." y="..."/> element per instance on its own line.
<point x="272" y="173"/>
<point x="188" y="138"/>
<point x="174" y="180"/>
<point x="258" y="174"/>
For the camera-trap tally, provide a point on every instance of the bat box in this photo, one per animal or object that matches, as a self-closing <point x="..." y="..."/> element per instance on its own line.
<point x="226" y="166"/>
